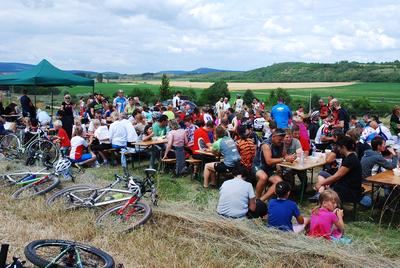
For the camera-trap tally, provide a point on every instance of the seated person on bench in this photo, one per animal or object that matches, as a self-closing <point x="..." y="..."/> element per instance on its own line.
<point x="78" y="144"/>
<point x="227" y="147"/>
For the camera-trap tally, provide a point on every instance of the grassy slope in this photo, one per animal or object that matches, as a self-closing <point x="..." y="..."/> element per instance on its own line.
<point x="186" y="232"/>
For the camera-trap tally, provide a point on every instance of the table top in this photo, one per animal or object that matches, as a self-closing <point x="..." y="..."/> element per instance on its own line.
<point x="150" y="142"/>
<point x="387" y="177"/>
<point x="309" y="162"/>
<point x="210" y="153"/>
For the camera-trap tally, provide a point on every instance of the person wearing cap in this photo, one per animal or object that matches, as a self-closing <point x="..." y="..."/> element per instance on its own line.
<point x="281" y="114"/>
<point x="238" y="104"/>
<point x="120" y="101"/>
<point x="272" y="153"/>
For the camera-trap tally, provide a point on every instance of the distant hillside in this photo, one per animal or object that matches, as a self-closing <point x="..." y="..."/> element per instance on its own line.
<point x="194" y="72"/>
<point x="13" y="67"/>
<point x="312" y="72"/>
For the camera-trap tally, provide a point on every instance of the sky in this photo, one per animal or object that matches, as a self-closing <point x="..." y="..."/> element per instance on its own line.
<point x="136" y="36"/>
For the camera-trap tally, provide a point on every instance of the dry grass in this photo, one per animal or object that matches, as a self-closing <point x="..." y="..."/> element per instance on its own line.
<point x="180" y="234"/>
<point x="245" y="86"/>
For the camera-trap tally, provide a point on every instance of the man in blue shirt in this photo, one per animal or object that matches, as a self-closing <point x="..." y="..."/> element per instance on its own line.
<point x="120" y="101"/>
<point x="281" y="113"/>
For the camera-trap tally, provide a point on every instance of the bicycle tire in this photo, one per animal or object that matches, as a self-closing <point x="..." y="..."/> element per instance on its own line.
<point x="45" y="149"/>
<point x="50" y="202"/>
<point x="10" y="146"/>
<point x="32" y="190"/>
<point x="105" y="219"/>
<point x="32" y="253"/>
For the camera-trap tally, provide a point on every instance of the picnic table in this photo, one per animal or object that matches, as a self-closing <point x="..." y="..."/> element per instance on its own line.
<point x="150" y="143"/>
<point x="309" y="163"/>
<point x="386" y="178"/>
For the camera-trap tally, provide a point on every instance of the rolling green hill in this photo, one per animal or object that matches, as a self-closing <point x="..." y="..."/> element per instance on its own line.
<point x="312" y="72"/>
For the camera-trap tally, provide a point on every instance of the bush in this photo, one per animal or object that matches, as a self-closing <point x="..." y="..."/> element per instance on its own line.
<point x="248" y="97"/>
<point x="279" y="93"/>
<point x="145" y="95"/>
<point x="212" y="94"/>
<point x="191" y="94"/>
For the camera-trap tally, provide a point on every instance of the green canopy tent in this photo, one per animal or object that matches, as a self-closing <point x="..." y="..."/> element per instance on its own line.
<point x="47" y="75"/>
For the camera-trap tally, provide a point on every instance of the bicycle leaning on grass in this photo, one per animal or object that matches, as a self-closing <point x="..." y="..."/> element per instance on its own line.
<point x="128" y="214"/>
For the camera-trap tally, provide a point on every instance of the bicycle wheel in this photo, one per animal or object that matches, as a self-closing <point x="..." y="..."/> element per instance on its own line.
<point x="42" y="253"/>
<point x="63" y="200"/>
<point x="133" y="216"/>
<point x="44" y="150"/>
<point x="10" y="146"/>
<point x="37" y="188"/>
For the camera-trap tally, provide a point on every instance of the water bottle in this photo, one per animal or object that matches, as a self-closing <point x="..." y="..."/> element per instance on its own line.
<point x="302" y="158"/>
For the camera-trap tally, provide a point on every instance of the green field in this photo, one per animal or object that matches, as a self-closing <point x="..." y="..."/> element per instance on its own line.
<point x="375" y="92"/>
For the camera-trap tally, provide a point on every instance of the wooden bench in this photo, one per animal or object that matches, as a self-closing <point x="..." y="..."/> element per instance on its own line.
<point x="167" y="162"/>
<point x="195" y="164"/>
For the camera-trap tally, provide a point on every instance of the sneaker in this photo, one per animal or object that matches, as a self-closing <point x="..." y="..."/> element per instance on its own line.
<point x="105" y="163"/>
<point x="314" y="198"/>
<point x="96" y="165"/>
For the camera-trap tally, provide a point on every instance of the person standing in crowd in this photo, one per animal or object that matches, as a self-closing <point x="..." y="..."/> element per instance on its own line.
<point x="238" y="105"/>
<point x="323" y="109"/>
<point x="28" y="109"/>
<point x="96" y="104"/>
<point x="281" y="113"/>
<point x="120" y="101"/>
<point x="177" y="140"/>
<point x="226" y="104"/>
<point x="343" y="118"/>
<point x="395" y="121"/>
<point x="176" y="101"/>
<point x="66" y="114"/>
<point x="219" y="106"/>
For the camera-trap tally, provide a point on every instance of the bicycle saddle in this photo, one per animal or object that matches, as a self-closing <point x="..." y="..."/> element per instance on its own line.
<point x="150" y="171"/>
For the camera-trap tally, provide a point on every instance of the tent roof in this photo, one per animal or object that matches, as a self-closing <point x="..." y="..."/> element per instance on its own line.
<point x="44" y="74"/>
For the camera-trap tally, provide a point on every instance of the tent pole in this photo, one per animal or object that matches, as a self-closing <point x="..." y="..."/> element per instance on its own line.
<point x="34" y="89"/>
<point x="52" y="94"/>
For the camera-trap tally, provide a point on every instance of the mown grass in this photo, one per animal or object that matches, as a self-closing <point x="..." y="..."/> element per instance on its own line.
<point x="185" y="231"/>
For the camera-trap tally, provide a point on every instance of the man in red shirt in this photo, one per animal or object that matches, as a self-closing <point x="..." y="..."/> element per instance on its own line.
<point x="201" y="141"/>
<point x="62" y="138"/>
<point x="323" y="109"/>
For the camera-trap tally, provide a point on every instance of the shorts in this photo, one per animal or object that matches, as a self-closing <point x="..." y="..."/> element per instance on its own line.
<point x="204" y="158"/>
<point x="84" y="157"/>
<point x="345" y="193"/>
<point x="269" y="171"/>
<point x="114" y="146"/>
<point x="220" y="167"/>
<point x="324" y="174"/>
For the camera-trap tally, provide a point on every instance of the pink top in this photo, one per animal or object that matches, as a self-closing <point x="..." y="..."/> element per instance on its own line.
<point x="177" y="137"/>
<point x="322" y="224"/>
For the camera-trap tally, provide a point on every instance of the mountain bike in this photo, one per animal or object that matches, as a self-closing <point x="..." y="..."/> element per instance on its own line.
<point x="89" y="196"/>
<point x="36" y="148"/>
<point x="63" y="253"/>
<point x="34" y="184"/>
<point x="3" y="258"/>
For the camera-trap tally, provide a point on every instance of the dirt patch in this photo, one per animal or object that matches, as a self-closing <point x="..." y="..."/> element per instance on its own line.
<point x="245" y="86"/>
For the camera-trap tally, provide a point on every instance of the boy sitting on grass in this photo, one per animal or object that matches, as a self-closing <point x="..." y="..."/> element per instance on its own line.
<point x="281" y="210"/>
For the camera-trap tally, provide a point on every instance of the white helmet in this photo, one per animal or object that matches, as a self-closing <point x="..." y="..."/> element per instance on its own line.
<point x="62" y="165"/>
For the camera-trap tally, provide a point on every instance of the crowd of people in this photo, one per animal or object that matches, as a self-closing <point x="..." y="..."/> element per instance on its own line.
<point x="251" y="141"/>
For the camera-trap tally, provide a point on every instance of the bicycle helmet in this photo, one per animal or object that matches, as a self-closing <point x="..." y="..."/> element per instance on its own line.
<point x="62" y="165"/>
<point x="314" y="114"/>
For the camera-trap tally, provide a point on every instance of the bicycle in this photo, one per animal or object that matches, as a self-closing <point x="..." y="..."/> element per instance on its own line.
<point x="34" y="186"/>
<point x="89" y="196"/>
<point x="36" y="147"/>
<point x="3" y="258"/>
<point x="63" y="253"/>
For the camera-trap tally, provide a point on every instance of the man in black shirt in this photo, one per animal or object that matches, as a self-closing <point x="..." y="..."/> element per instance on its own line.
<point x="343" y="117"/>
<point x="96" y="105"/>
<point x="28" y="109"/>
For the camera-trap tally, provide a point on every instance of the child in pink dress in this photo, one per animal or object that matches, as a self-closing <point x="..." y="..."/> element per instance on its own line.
<point x="327" y="220"/>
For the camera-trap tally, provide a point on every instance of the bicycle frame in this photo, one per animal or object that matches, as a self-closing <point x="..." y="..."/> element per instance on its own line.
<point x="69" y="249"/>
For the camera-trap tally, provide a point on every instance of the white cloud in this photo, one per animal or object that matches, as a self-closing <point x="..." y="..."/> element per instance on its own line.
<point x="136" y="36"/>
<point x="273" y="26"/>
